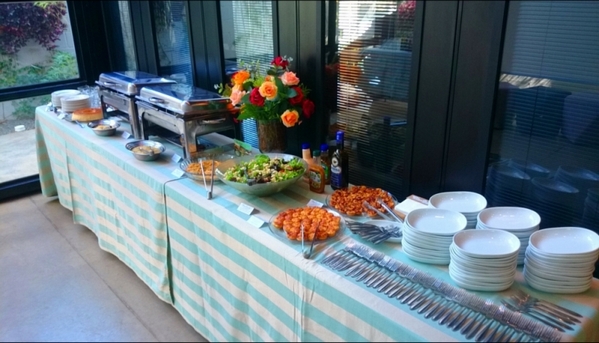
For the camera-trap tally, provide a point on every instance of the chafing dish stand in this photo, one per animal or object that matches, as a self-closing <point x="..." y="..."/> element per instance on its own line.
<point x="119" y="89"/>
<point x="184" y="110"/>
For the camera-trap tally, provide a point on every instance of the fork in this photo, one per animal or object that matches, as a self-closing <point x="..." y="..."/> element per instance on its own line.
<point x="536" y="301"/>
<point x="538" y="316"/>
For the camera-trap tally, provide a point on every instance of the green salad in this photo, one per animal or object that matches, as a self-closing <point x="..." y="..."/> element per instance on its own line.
<point x="263" y="169"/>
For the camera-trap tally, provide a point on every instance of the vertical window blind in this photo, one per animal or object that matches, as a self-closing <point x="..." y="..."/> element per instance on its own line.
<point x="373" y="65"/>
<point x="247" y="35"/>
<point x="546" y="134"/>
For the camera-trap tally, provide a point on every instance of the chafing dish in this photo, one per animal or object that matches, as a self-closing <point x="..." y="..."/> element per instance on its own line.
<point x="118" y="90"/>
<point x="186" y="111"/>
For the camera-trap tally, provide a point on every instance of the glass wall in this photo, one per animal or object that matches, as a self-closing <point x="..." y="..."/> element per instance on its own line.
<point x="172" y="40"/>
<point x="369" y="58"/>
<point x="545" y="145"/>
<point x="36" y="47"/>
<point x="247" y="37"/>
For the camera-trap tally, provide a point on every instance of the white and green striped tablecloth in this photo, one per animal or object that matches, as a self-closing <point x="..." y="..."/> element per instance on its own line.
<point x="234" y="282"/>
<point x="119" y="198"/>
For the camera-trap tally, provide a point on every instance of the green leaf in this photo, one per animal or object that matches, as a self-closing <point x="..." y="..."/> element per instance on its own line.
<point x="292" y="93"/>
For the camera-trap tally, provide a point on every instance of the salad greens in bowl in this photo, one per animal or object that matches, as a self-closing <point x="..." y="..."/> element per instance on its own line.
<point x="262" y="174"/>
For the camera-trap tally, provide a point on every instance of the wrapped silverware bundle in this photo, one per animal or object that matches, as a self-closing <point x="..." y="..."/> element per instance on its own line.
<point x="455" y="308"/>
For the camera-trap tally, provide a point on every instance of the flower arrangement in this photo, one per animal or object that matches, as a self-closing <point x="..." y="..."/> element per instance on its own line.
<point x="276" y="95"/>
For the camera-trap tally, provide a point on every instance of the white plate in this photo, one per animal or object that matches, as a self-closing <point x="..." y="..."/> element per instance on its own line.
<point x="479" y="287"/>
<point x="556" y="273"/>
<point x="509" y="218"/>
<point x="384" y="223"/>
<point x="427" y="260"/>
<point x="423" y="252"/>
<point x="426" y="241"/>
<point x="464" y="202"/>
<point x="573" y="281"/>
<point x="487" y="243"/>
<point x="474" y="262"/>
<point x="541" y="286"/>
<point x="565" y="241"/>
<point x="562" y="260"/>
<point x="436" y="221"/>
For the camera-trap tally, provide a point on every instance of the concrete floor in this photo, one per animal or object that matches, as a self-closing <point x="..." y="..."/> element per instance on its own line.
<point x="56" y="284"/>
<point x="18" y="157"/>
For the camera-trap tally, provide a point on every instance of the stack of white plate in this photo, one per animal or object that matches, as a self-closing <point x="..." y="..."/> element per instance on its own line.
<point x="75" y="102"/>
<point x="428" y="232"/>
<point x="484" y="260"/>
<point x="561" y="259"/>
<point x="56" y="96"/>
<point x="520" y="221"/>
<point x="467" y="203"/>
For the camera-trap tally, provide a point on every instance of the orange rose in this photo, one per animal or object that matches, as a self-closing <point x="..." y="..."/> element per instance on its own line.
<point x="269" y="78"/>
<point x="290" y="118"/>
<point x="240" y="77"/>
<point x="268" y="90"/>
<point x="289" y="79"/>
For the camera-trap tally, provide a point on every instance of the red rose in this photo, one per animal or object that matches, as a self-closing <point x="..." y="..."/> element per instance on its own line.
<point x="298" y="98"/>
<point x="279" y="61"/>
<point x="308" y="108"/>
<point x="256" y="98"/>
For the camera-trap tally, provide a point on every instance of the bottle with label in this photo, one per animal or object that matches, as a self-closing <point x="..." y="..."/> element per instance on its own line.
<point x="325" y="162"/>
<point x="316" y="172"/>
<point x="306" y="156"/>
<point x="339" y="164"/>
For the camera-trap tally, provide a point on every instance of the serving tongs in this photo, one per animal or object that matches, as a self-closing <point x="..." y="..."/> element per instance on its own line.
<point x="208" y="190"/>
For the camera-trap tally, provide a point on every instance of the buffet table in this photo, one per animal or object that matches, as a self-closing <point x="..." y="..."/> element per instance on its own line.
<point x="229" y="277"/>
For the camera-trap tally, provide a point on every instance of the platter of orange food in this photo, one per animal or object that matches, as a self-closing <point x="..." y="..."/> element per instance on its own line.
<point x="350" y="201"/>
<point x="287" y="223"/>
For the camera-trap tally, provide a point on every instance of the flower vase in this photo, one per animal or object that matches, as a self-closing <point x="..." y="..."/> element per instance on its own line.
<point x="271" y="136"/>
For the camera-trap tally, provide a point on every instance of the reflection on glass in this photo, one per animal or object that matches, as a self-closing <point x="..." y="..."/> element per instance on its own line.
<point x="247" y="36"/>
<point x="127" y="32"/>
<point x="172" y="40"/>
<point x="36" y="44"/>
<point x="368" y="78"/>
<point x="545" y="149"/>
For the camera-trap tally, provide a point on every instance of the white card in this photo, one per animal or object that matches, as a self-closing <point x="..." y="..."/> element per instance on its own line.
<point x="257" y="222"/>
<point x="314" y="203"/>
<point x="247" y="209"/>
<point x="62" y="115"/>
<point x="178" y="172"/>
<point x="176" y="158"/>
<point x="126" y="135"/>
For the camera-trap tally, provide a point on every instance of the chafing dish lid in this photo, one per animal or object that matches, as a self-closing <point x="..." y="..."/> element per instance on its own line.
<point x="130" y="82"/>
<point x="183" y="99"/>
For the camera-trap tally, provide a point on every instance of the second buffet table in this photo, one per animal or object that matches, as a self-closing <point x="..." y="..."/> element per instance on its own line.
<point x="230" y="280"/>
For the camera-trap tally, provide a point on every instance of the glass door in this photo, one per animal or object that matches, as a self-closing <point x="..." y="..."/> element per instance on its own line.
<point x="369" y="61"/>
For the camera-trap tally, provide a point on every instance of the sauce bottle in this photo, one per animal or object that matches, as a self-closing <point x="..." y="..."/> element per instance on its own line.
<point x="308" y="158"/>
<point x="316" y="174"/>
<point x="339" y="164"/>
<point x="325" y="162"/>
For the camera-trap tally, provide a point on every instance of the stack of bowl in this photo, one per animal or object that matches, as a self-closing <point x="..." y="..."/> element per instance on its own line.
<point x="428" y="232"/>
<point x="561" y="259"/>
<point x="520" y="221"/>
<point x="555" y="201"/>
<point x="484" y="260"/>
<point x="467" y="203"/>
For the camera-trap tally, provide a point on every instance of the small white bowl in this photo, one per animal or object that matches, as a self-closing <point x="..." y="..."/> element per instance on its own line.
<point x="436" y="221"/>
<point x="564" y="241"/>
<point x="487" y="243"/>
<point x="508" y="218"/>
<point x="464" y="202"/>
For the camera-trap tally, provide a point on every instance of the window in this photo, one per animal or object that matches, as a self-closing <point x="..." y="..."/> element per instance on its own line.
<point x="368" y="76"/>
<point x="247" y="36"/>
<point x="36" y="44"/>
<point x="545" y="150"/>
